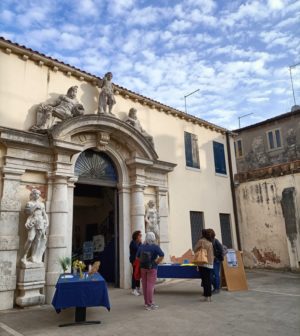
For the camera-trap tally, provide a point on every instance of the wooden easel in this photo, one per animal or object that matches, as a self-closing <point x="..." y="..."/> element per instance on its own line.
<point x="234" y="277"/>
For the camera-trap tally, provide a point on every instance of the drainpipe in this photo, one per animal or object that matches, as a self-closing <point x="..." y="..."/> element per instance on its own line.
<point x="235" y="214"/>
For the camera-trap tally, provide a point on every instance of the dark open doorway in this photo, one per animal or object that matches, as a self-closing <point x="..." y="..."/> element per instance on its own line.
<point x="95" y="228"/>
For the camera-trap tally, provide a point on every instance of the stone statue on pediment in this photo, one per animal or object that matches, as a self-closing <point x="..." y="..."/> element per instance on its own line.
<point x="106" y="97"/>
<point x="133" y="121"/>
<point x="36" y="225"/>
<point x="65" y="107"/>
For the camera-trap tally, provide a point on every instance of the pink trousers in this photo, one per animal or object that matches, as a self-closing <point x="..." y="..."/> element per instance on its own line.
<point x="148" y="280"/>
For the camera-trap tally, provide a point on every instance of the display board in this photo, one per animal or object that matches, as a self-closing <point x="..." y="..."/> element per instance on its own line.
<point x="233" y="272"/>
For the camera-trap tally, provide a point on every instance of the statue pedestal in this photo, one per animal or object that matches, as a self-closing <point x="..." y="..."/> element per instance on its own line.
<point x="31" y="281"/>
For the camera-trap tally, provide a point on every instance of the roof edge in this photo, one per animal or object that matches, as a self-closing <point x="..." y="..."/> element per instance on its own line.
<point x="26" y="53"/>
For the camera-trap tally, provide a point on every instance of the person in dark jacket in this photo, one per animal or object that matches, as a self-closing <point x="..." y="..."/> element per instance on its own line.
<point x="218" y="258"/>
<point x="133" y="248"/>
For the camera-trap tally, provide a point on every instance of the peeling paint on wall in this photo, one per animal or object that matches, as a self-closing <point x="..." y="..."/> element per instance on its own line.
<point x="266" y="257"/>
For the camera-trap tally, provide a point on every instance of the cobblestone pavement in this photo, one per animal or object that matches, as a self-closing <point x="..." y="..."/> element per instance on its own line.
<point x="270" y="307"/>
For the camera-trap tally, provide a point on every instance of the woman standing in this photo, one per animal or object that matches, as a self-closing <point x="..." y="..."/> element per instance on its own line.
<point x="206" y="269"/>
<point x="150" y="255"/>
<point x="133" y="248"/>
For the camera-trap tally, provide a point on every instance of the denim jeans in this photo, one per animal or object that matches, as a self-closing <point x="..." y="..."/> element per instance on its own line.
<point x="216" y="274"/>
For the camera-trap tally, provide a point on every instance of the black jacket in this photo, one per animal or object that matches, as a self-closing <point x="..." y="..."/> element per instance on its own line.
<point x="218" y="250"/>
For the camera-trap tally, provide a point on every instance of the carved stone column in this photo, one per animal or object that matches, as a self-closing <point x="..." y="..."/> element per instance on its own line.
<point x="162" y="199"/>
<point x="10" y="207"/>
<point x="57" y="240"/>
<point x="124" y="236"/>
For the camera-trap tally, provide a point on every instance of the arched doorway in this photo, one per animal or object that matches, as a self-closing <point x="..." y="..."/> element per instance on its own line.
<point x="95" y="213"/>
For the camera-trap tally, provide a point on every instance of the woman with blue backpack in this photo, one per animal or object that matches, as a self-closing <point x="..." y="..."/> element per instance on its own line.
<point x="150" y="255"/>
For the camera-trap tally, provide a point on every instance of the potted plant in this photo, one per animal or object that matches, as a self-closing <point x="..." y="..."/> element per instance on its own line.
<point x="65" y="263"/>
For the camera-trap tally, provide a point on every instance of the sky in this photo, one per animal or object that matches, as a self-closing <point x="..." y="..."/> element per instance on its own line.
<point x="236" y="53"/>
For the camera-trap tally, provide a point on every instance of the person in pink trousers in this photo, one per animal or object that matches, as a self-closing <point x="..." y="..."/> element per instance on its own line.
<point x="150" y="255"/>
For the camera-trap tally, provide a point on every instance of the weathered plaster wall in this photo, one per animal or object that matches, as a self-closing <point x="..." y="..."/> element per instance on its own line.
<point x="270" y="236"/>
<point x="256" y="151"/>
<point x="24" y="84"/>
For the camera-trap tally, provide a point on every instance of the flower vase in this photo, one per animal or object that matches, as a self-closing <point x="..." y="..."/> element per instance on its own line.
<point x="75" y="271"/>
<point x="81" y="274"/>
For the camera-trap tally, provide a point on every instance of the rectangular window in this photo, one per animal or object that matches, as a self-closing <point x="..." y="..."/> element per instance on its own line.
<point x="191" y="150"/>
<point x="238" y="148"/>
<point x="226" y="230"/>
<point x="274" y="139"/>
<point x="219" y="156"/>
<point x="197" y="225"/>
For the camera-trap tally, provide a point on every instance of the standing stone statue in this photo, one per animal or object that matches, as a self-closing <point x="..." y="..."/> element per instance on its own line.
<point x="152" y="219"/>
<point x="65" y="107"/>
<point x="36" y="224"/>
<point x="106" y="97"/>
<point x="133" y="121"/>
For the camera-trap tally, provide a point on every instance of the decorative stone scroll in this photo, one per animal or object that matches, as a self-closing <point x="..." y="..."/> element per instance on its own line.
<point x="65" y="107"/>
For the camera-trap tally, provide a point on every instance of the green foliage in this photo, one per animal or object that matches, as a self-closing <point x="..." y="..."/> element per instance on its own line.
<point x="65" y="263"/>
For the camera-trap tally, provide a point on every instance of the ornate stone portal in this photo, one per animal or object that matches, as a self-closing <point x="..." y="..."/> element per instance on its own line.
<point x="55" y="155"/>
<point x="32" y="271"/>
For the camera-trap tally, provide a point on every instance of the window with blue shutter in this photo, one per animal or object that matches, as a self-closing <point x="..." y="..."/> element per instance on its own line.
<point x="219" y="156"/>
<point x="191" y="150"/>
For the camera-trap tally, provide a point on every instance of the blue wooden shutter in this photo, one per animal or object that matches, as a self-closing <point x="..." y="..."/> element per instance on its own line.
<point x="219" y="156"/>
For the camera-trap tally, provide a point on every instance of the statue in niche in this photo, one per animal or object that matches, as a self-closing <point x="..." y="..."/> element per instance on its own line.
<point x="65" y="107"/>
<point x="106" y="97"/>
<point x="133" y="121"/>
<point x="152" y="219"/>
<point x="36" y="224"/>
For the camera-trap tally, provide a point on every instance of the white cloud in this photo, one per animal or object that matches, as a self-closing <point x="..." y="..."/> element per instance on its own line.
<point x="276" y="4"/>
<point x="179" y="25"/>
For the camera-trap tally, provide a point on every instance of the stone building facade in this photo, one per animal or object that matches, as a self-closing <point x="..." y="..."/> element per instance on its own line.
<point x="268" y="191"/>
<point x="96" y="173"/>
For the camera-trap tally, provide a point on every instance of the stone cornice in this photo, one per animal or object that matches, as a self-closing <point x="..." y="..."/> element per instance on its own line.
<point x="56" y="65"/>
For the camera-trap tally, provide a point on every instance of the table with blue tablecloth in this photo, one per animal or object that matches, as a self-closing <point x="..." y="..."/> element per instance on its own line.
<point x="72" y="291"/>
<point x="178" y="271"/>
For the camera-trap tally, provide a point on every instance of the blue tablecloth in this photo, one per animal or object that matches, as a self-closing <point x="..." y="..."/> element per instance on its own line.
<point x="76" y="292"/>
<point x="178" y="272"/>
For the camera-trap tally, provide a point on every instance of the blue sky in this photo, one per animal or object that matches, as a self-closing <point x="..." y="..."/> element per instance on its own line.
<point x="237" y="53"/>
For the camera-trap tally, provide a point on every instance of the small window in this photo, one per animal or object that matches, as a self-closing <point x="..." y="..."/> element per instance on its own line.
<point x="219" y="156"/>
<point x="238" y="148"/>
<point x="191" y="150"/>
<point x="274" y="139"/>
<point x="226" y="230"/>
<point x="197" y="225"/>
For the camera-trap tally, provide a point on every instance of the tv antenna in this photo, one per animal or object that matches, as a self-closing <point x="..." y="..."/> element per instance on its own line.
<point x="290" y="68"/>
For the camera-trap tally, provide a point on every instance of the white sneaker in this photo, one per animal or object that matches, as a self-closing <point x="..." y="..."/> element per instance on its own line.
<point x="154" y="306"/>
<point x="135" y="293"/>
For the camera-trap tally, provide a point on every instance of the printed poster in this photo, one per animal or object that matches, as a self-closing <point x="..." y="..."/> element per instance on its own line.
<point x="231" y="258"/>
<point x="88" y="250"/>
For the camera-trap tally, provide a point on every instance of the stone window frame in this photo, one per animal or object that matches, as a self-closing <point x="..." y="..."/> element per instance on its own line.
<point x="275" y="142"/>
